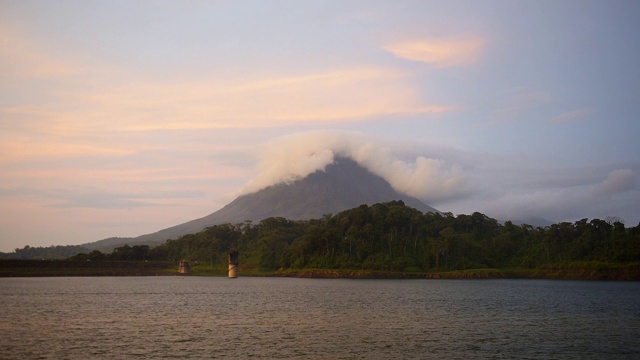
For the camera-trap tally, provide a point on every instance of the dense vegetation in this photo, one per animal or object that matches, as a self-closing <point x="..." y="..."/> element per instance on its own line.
<point x="394" y="237"/>
<point x="39" y="253"/>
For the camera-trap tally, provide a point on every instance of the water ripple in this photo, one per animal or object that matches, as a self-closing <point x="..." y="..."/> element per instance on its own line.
<point x="283" y="318"/>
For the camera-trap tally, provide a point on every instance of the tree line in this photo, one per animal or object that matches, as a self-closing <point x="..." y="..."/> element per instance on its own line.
<point x="44" y="252"/>
<point x="393" y="237"/>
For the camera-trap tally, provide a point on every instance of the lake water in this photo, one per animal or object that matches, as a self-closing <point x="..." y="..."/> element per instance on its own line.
<point x="281" y="318"/>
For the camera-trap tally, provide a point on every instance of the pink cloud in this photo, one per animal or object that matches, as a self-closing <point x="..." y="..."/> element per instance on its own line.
<point x="618" y="181"/>
<point x="442" y="53"/>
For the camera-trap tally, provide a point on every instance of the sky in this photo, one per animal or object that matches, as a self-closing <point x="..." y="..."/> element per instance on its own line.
<point x="121" y="118"/>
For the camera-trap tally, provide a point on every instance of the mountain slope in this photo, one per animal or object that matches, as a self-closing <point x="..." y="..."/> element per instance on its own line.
<point x="343" y="185"/>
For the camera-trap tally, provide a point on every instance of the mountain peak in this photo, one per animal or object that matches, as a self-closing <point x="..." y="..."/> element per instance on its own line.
<point x="342" y="185"/>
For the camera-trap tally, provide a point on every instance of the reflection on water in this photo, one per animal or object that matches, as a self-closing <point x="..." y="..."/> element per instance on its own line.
<point x="215" y="317"/>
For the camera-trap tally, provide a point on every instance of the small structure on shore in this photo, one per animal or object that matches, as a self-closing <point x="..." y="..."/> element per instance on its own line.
<point x="233" y="265"/>
<point x="184" y="267"/>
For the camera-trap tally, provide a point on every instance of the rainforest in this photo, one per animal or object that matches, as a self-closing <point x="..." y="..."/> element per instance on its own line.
<point x="394" y="238"/>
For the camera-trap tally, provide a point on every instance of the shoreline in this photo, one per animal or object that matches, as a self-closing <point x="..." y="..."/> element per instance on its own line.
<point x="477" y="274"/>
<point x="64" y="268"/>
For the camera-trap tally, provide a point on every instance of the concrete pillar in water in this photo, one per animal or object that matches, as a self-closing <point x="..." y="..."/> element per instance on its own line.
<point x="184" y="267"/>
<point x="233" y="265"/>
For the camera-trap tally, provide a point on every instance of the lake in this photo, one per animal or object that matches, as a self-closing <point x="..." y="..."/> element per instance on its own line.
<point x="282" y="318"/>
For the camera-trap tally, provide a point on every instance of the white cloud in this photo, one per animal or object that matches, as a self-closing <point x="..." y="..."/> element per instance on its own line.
<point x="296" y="156"/>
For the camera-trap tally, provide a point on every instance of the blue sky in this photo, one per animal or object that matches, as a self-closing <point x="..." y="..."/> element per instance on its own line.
<point x="120" y="118"/>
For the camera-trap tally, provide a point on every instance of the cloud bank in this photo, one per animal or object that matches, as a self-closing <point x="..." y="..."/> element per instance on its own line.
<point x="504" y="187"/>
<point x="520" y="191"/>
<point x="293" y="157"/>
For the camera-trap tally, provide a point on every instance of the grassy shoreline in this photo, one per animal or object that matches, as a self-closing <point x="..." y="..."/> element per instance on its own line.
<point x="557" y="274"/>
<point x="564" y="271"/>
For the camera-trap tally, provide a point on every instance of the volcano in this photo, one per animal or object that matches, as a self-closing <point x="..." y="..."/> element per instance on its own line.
<point x="342" y="185"/>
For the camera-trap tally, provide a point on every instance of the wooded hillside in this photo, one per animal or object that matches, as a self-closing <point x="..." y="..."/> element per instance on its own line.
<point x="394" y="237"/>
